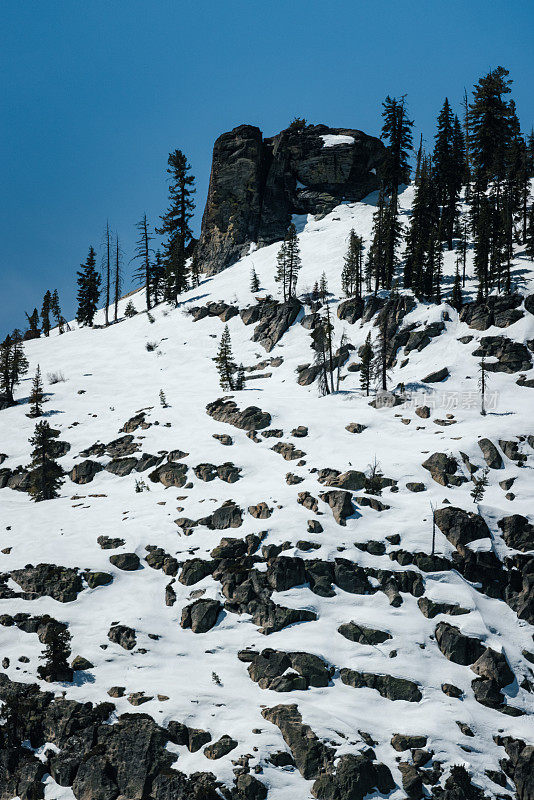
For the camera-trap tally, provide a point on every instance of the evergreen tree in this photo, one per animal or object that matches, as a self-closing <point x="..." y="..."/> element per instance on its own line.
<point x="158" y="278"/>
<point x="351" y="276"/>
<point x="481" y="229"/>
<point x="423" y="224"/>
<point x="376" y="255"/>
<point x="107" y="270"/>
<point x="13" y="366"/>
<point x="163" y="399"/>
<point x="55" y="310"/>
<point x="46" y="473"/>
<point x="144" y="272"/>
<point x="449" y="168"/>
<point x="490" y="120"/>
<point x="366" y="356"/>
<point x="530" y="234"/>
<point x="397" y="131"/>
<point x="239" y="383"/>
<point x="88" y="290"/>
<point x="530" y="154"/>
<point x="319" y="339"/>
<point x="288" y="263"/>
<point x="254" y="281"/>
<point x="195" y="269"/>
<point x="456" y="300"/>
<point x="381" y="357"/>
<point x="224" y="360"/>
<point x="176" y="224"/>
<point x="117" y="278"/>
<point x="480" y="484"/>
<point x="482" y="385"/>
<point x="45" y="313"/>
<point x="130" y="310"/>
<point x="33" y="322"/>
<point x="56" y="655"/>
<point x="36" y="395"/>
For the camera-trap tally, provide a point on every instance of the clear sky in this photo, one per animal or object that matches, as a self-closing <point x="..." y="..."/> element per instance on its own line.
<point x="94" y="95"/>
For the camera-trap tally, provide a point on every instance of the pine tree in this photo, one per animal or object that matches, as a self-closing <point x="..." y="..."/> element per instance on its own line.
<point x="288" y="263"/>
<point x="13" y="367"/>
<point x="480" y="484"/>
<point x="33" y="322"/>
<point x="376" y="255"/>
<point x="55" y="310"/>
<point x="366" y="357"/>
<point x="36" y="395"/>
<point x="449" y="168"/>
<point x="239" y="383"/>
<point x="381" y="357"/>
<point x="45" y="313"/>
<point x="163" y="399"/>
<point x="351" y="276"/>
<point x="397" y="130"/>
<point x="107" y="270"/>
<point x="130" y="310"/>
<point x="117" y="278"/>
<point x="157" y="279"/>
<point x="143" y="250"/>
<point x="482" y="385"/>
<point x="254" y="281"/>
<point x="195" y="269"/>
<point x="530" y="234"/>
<point x="56" y="655"/>
<point x="224" y="360"/>
<point x="423" y="224"/>
<point x="457" y="300"/>
<point x="319" y="341"/>
<point x="176" y="224"/>
<point x="46" y="473"/>
<point x="490" y="125"/>
<point x="88" y="290"/>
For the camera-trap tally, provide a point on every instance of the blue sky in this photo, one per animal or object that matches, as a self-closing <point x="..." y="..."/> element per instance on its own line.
<point x="95" y="95"/>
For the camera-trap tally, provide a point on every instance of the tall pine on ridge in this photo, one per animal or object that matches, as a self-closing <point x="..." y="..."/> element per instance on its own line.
<point x="88" y="290"/>
<point x="176" y="224"/>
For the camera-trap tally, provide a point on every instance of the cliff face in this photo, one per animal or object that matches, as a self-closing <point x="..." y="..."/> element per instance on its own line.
<point x="256" y="184"/>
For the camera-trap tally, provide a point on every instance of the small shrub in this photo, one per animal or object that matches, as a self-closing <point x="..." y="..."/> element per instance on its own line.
<point x="163" y="399"/>
<point x="151" y="346"/>
<point x="150" y="317"/>
<point x="55" y="377"/>
<point x="141" y="486"/>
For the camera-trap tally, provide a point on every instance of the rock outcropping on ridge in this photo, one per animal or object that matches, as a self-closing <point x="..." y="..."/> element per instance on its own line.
<point x="256" y="184"/>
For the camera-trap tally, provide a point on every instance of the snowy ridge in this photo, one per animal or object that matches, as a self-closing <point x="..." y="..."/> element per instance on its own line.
<point x="111" y="376"/>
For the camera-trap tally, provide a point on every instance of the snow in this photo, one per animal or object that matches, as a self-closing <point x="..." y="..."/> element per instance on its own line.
<point x="333" y="139"/>
<point x="110" y="376"/>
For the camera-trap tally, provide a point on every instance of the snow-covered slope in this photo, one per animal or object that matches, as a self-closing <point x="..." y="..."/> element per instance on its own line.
<point x="110" y="376"/>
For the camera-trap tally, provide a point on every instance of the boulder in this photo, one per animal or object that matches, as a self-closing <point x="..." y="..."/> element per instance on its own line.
<point x="456" y="646"/>
<point x="341" y="504"/>
<point x="48" y="580"/>
<point x="311" y="756"/>
<point x="220" y="748"/>
<point x="386" y="685"/>
<point x="122" y="635"/>
<point x="201" y="615"/>
<point x="121" y="466"/>
<point x="274" y="324"/>
<point x="356" y="775"/>
<point x="351" y="310"/>
<point x="511" y="356"/>
<point x="170" y="474"/>
<point x="438" y="376"/>
<point x="517" y="532"/>
<point x="85" y="471"/>
<point x="494" y="666"/>
<point x="251" y="419"/>
<point x="256" y="184"/>
<point x="362" y="634"/>
<point x="499" y="310"/>
<point x="229" y="515"/>
<point x="492" y="457"/>
<point x="442" y="467"/>
<point x="128" y="562"/>
<point x="461" y="527"/>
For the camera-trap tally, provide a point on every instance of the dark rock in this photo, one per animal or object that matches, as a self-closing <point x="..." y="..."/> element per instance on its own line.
<point x="311" y="756"/>
<point x="314" y="526"/>
<point x="147" y="461"/>
<point x="247" y="787"/>
<point x="228" y="515"/>
<point x="491" y="455"/>
<point x="361" y="634"/>
<point x="123" y="635"/>
<point x="441" y="467"/>
<point x="121" y="466"/>
<point x="456" y="646"/>
<point x="220" y="748"/>
<point x="386" y="685"/>
<point x="415" y="487"/>
<point x="60" y="583"/>
<point x="354" y="778"/>
<point x="517" y="532"/>
<point x="135" y="422"/>
<point x="288" y="451"/>
<point x="500" y="310"/>
<point x="106" y="543"/>
<point x="430" y="609"/>
<point x="351" y="310"/>
<point x="260" y="511"/>
<point x="95" y="579"/>
<point x="401" y="742"/>
<point x="423" y="412"/>
<point x="341" y="504"/>
<point x="494" y="666"/>
<point x="252" y="418"/>
<point x="85" y="471"/>
<point x="438" y="376"/>
<point x="170" y="474"/>
<point x="128" y="562"/>
<point x="195" y="570"/>
<point x="511" y="356"/>
<point x="353" y="480"/>
<point x="461" y="527"/>
<point x="274" y="324"/>
<point x="355" y="427"/>
<point x="201" y="615"/>
<point x="81" y="663"/>
<point x="224" y="439"/>
<point x="450" y="690"/>
<point x="254" y="185"/>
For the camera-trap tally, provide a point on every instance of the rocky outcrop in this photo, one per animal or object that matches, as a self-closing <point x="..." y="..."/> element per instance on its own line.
<point x="251" y="419"/>
<point x="461" y="527"/>
<point x="511" y="356"/>
<point x="256" y="184"/>
<point x="517" y="532"/>
<point x="386" y="685"/>
<point x="499" y="310"/>
<point x="456" y="646"/>
<point x="311" y="756"/>
<point x="48" y="580"/>
<point x="276" y="319"/>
